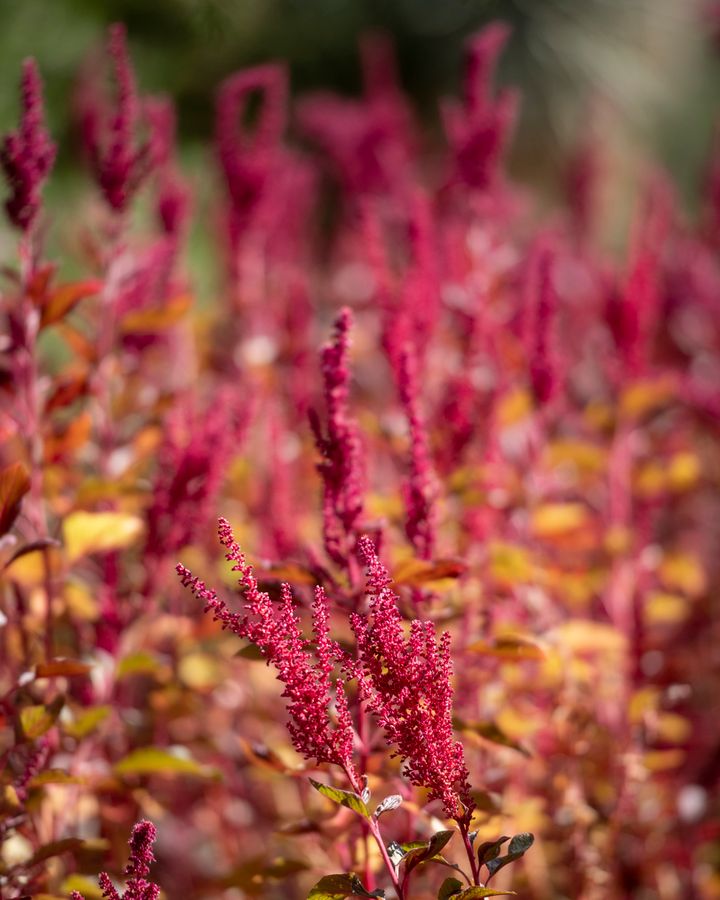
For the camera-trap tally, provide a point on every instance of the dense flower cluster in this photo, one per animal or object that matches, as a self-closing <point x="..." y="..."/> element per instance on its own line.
<point x="304" y="667"/>
<point x="405" y="681"/>
<point x="27" y="155"/>
<point x="136" y="871"/>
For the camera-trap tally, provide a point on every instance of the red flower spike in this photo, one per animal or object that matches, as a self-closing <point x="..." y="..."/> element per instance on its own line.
<point x="306" y="674"/>
<point x="141" y="858"/>
<point x="27" y="154"/>
<point x="405" y="682"/>
<point x="341" y="450"/>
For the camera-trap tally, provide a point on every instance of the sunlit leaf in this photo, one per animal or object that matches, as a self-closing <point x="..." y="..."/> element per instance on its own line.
<point x="338" y="887"/>
<point x="509" y="646"/>
<point x="35" y="721"/>
<point x="554" y="519"/>
<point x="344" y="798"/>
<point x="156" y="761"/>
<point x="65" y="298"/>
<point x="87" y="721"/>
<point x="54" y="776"/>
<point x="97" y="532"/>
<point x="148" y="321"/>
<point x="66" y="668"/>
<point x="14" y="484"/>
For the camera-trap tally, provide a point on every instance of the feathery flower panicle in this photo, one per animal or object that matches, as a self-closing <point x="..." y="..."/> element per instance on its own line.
<point x="248" y="157"/>
<point x="478" y="130"/>
<point x="193" y="459"/>
<point x="118" y="164"/>
<point x="27" y="154"/>
<point x="422" y="487"/>
<point x="136" y="871"/>
<point x="368" y="141"/>
<point x="405" y="682"/>
<point x="540" y="311"/>
<point x="304" y="667"/>
<point x="172" y="200"/>
<point x="341" y="466"/>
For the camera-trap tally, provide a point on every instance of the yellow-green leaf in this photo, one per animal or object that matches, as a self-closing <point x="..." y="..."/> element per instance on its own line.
<point x="97" y="532"/>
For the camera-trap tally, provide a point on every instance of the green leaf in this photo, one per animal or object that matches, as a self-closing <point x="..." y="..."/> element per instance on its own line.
<point x="154" y="761"/>
<point x="35" y="721"/>
<point x="140" y="663"/>
<point x="475" y="892"/>
<point x="338" y="887"/>
<point x="449" y="888"/>
<point x="427" y="851"/>
<point x="344" y="798"/>
<point x="87" y="721"/>
<point x="517" y="847"/>
<point x="490" y="849"/>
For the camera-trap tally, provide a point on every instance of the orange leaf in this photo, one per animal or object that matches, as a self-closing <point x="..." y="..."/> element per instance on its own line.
<point x="55" y="668"/>
<point x="64" y="298"/>
<point x="14" y="484"/>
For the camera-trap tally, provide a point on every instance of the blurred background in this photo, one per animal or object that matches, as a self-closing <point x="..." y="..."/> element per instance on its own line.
<point x="645" y="72"/>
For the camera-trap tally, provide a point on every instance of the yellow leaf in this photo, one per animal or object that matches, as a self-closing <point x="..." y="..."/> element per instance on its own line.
<point x="684" y="471"/>
<point x="665" y="609"/>
<point x="586" y="457"/>
<point x="97" y="532"/>
<point x="673" y="728"/>
<point x="683" y="572"/>
<point x="85" y="886"/>
<point x="662" y="760"/>
<point x="87" y="721"/>
<point x="552" y="519"/>
<point x="647" y="395"/>
<point x="585" y="636"/>
<point x="509" y="564"/>
<point x="155" y="761"/>
<point x="514" y="406"/>
<point x="35" y="721"/>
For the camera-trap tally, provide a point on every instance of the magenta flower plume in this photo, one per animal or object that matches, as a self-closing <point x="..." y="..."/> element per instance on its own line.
<point x="27" y="154"/>
<point x="539" y="325"/>
<point x="136" y="871"/>
<point x="341" y="465"/>
<point x="305" y="667"/>
<point x="247" y="158"/>
<point x="110" y="140"/>
<point x="405" y="682"/>
<point x="478" y="130"/>
<point x="421" y="488"/>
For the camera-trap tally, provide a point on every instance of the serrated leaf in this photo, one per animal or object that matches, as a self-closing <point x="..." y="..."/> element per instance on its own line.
<point x="155" y="761"/>
<point x="344" y="798"/>
<point x="338" y="887"/>
<point x="98" y="532"/>
<point x="14" y="484"/>
<point x="449" y="888"/>
<point x="35" y="721"/>
<point x="389" y="803"/>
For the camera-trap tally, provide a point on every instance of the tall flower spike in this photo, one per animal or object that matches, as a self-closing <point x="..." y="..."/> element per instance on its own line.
<point x="306" y="674"/>
<point x="478" y="130"/>
<point x="136" y="871"/>
<point x="248" y="158"/>
<point x="340" y="449"/>
<point x="405" y="682"/>
<point x="27" y="154"/>
<point x="422" y="488"/>
<point x="540" y="313"/>
<point x="118" y="164"/>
